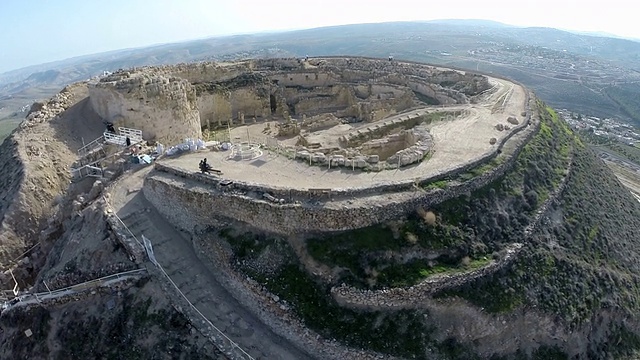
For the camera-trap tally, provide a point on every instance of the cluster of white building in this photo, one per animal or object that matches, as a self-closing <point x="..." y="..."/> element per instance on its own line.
<point x="605" y="127"/>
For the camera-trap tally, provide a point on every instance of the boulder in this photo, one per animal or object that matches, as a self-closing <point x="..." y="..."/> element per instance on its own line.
<point x="337" y="160"/>
<point x="493" y="141"/>
<point x="512" y="120"/>
<point x="96" y="190"/>
<point x="36" y="107"/>
<point x="319" y="157"/>
<point x="303" y="155"/>
<point x="499" y="127"/>
<point x="360" y="161"/>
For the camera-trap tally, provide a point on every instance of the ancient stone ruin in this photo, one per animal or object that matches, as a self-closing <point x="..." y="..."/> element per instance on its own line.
<point x="334" y="111"/>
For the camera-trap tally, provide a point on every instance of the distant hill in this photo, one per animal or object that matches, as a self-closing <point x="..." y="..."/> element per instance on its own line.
<point x="579" y="72"/>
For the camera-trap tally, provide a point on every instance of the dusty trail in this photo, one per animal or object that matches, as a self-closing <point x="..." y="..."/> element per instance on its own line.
<point x="175" y="253"/>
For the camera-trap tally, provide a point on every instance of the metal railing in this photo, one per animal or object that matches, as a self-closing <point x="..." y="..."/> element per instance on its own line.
<point x="95" y="144"/>
<point x="116" y="139"/>
<point x="134" y="135"/>
<point x="150" y="254"/>
<point x="32" y="298"/>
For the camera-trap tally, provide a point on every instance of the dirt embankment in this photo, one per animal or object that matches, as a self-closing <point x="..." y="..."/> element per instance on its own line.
<point x="34" y="162"/>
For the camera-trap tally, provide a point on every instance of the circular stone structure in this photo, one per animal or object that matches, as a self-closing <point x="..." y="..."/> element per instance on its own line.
<point x="338" y="123"/>
<point x="347" y="143"/>
<point x="352" y="143"/>
<point x="245" y="151"/>
<point x="379" y="122"/>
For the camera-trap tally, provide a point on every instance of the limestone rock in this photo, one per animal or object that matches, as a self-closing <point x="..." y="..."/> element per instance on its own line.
<point x="319" y="158"/>
<point x="96" y="190"/>
<point x="303" y="155"/>
<point x="337" y="160"/>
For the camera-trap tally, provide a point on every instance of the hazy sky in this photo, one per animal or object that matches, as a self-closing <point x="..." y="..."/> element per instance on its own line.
<point x="38" y="31"/>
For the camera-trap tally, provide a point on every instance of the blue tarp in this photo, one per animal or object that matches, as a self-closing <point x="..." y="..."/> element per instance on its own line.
<point x="145" y="159"/>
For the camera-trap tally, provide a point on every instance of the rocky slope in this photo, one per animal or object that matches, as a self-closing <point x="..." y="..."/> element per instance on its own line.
<point x="125" y="320"/>
<point x="35" y="162"/>
<point x="135" y="323"/>
<point x="569" y="292"/>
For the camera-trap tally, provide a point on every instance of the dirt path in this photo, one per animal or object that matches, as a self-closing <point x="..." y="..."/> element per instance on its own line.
<point x="175" y="253"/>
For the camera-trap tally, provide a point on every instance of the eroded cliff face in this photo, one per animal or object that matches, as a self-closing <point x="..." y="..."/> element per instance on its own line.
<point x="12" y="178"/>
<point x="164" y="108"/>
<point x="34" y="163"/>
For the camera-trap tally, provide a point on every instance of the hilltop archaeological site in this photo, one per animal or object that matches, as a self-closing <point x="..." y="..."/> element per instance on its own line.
<point x="326" y="193"/>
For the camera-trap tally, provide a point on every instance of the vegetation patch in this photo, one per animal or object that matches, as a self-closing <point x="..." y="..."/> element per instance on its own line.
<point x="626" y="97"/>
<point x="580" y="262"/>
<point x="311" y="301"/>
<point x="442" y="184"/>
<point x="570" y="268"/>
<point x="468" y="229"/>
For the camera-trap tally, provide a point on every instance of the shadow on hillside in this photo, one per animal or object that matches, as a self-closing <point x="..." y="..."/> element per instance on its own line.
<point x="12" y="177"/>
<point x="77" y="125"/>
<point x="134" y="205"/>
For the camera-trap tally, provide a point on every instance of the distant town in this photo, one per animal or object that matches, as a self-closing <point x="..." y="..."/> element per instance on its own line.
<point x="606" y="128"/>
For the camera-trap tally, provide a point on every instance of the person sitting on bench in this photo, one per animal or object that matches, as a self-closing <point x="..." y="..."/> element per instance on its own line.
<point x="204" y="167"/>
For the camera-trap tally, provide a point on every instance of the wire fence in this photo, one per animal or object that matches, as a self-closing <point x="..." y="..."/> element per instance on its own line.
<point x="148" y="247"/>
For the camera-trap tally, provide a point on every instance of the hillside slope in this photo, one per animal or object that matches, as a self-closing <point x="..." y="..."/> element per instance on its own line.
<point x="35" y="161"/>
<point x="569" y="289"/>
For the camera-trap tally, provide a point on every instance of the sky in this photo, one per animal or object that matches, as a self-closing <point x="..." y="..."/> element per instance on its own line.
<point x="38" y="31"/>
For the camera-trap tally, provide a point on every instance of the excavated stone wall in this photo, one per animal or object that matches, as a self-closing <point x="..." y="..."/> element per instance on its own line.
<point x="216" y="109"/>
<point x="412" y="297"/>
<point x="164" y="103"/>
<point x="165" y="109"/>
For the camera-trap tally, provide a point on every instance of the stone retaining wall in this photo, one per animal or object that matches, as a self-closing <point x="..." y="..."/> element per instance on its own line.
<point x="136" y="252"/>
<point x="411" y="297"/>
<point x="205" y="201"/>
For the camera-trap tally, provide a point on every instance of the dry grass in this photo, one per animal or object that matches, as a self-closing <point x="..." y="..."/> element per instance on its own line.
<point x="395" y="226"/>
<point x="465" y="261"/>
<point x="411" y="238"/>
<point x="428" y="216"/>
